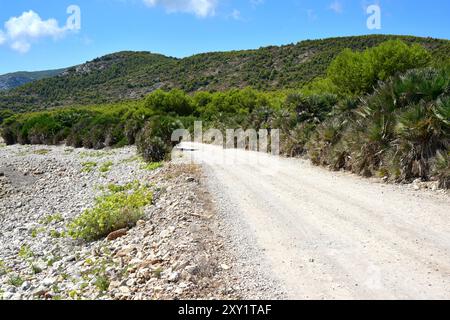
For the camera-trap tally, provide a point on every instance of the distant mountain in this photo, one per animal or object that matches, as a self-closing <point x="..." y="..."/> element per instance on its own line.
<point x="13" y="80"/>
<point x="131" y="75"/>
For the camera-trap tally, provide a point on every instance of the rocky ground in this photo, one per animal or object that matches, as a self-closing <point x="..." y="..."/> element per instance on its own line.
<point x="174" y="252"/>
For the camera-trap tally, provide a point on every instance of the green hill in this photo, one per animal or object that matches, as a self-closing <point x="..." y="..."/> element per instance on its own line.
<point x="131" y="75"/>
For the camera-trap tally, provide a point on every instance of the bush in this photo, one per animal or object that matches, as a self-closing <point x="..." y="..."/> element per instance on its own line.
<point x="113" y="211"/>
<point x="152" y="148"/>
<point x="396" y="57"/>
<point x="9" y="135"/>
<point x="5" y="114"/>
<point x="40" y="129"/>
<point x="175" y="102"/>
<point x="154" y="141"/>
<point x="356" y="73"/>
<point x="351" y="72"/>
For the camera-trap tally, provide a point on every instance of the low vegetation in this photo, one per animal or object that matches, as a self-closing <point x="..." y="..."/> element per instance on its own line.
<point x="41" y="152"/>
<point x="16" y="280"/>
<point x="105" y="167"/>
<point x="53" y="218"/>
<point x="3" y="268"/>
<point x="88" y="166"/>
<point x="151" y="166"/>
<point x="119" y="208"/>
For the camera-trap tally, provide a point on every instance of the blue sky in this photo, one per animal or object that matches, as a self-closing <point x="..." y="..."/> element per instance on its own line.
<point x="34" y="35"/>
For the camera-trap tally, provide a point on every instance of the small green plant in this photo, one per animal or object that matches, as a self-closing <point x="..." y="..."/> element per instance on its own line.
<point x="157" y="272"/>
<point x="151" y="166"/>
<point x="53" y="218"/>
<point x="25" y="252"/>
<point x="36" y="231"/>
<point x="15" y="280"/>
<point x="113" y="211"/>
<point x="3" y="269"/>
<point x="73" y="294"/>
<point x="56" y="289"/>
<point x="105" y="167"/>
<point x="42" y="152"/>
<point x="55" y="234"/>
<point x="88" y="166"/>
<point x="102" y="282"/>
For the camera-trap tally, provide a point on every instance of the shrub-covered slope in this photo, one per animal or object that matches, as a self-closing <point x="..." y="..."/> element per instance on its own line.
<point x="131" y="75"/>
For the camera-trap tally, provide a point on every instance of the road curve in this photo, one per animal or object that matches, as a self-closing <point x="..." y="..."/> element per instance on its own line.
<point x="327" y="235"/>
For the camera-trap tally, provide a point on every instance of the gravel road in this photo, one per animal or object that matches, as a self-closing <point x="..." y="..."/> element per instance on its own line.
<point x="315" y="234"/>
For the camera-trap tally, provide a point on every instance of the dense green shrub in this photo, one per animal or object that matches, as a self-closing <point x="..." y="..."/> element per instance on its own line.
<point x="5" y="114"/>
<point x="352" y="72"/>
<point x="119" y="124"/>
<point x="356" y="73"/>
<point x="174" y="102"/>
<point x="154" y="141"/>
<point x="9" y="133"/>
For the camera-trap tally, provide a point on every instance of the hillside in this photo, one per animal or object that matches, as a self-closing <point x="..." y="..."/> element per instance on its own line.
<point x="16" y="79"/>
<point x="131" y="75"/>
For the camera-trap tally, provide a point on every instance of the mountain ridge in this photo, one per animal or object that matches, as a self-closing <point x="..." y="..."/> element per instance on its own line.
<point x="16" y="79"/>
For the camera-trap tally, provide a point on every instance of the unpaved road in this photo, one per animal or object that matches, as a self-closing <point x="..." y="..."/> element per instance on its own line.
<point x="326" y="235"/>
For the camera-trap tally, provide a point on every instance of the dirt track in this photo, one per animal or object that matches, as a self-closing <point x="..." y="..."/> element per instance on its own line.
<point x="328" y="235"/>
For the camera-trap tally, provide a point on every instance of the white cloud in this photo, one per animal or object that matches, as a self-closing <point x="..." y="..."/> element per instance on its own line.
<point x="20" y="32"/>
<point x="30" y="25"/>
<point x="201" y="8"/>
<point x="336" y="6"/>
<point x="21" y="46"/>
